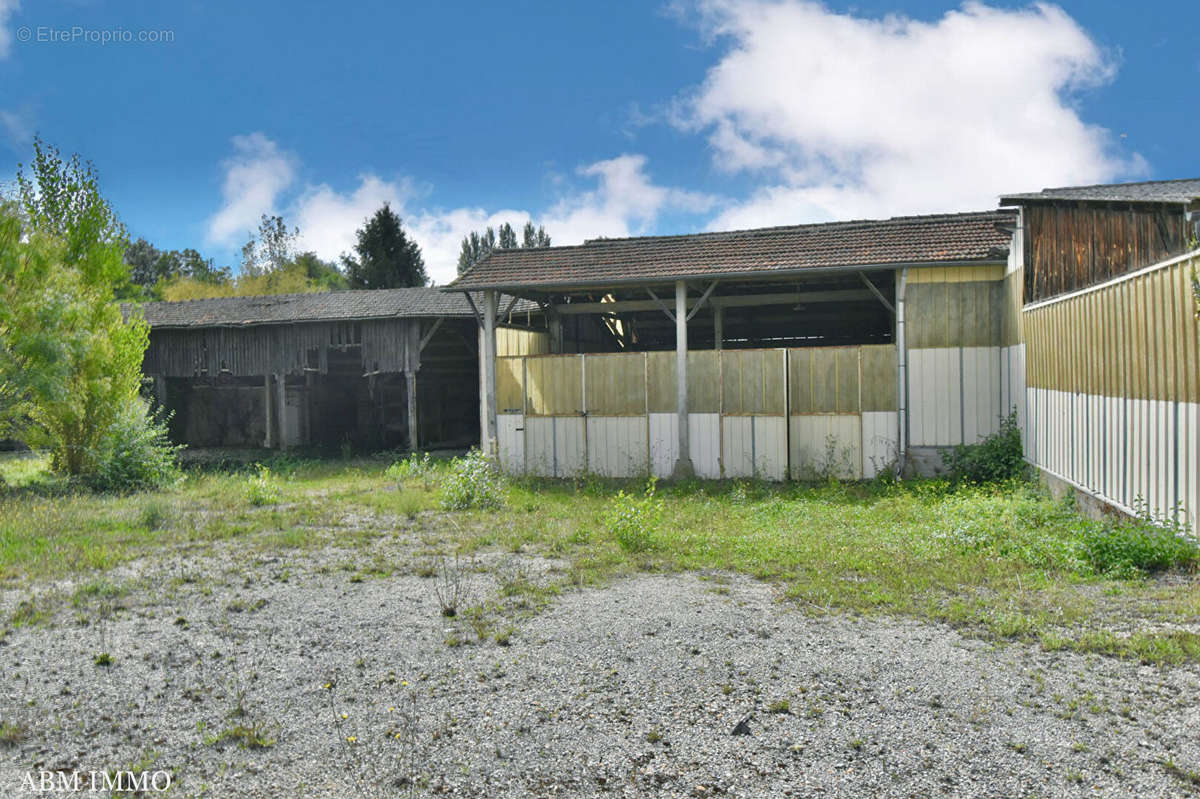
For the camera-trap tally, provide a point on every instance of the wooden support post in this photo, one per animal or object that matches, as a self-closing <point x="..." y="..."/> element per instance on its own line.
<point x="281" y="383"/>
<point x="410" y="383"/>
<point x="555" y="323"/>
<point x="683" y="466"/>
<point x="489" y="370"/>
<point x="718" y="327"/>
<point x="269" y="440"/>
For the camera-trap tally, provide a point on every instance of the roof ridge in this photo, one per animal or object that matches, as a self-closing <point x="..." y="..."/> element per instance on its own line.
<point x="777" y="228"/>
<point x="1113" y="185"/>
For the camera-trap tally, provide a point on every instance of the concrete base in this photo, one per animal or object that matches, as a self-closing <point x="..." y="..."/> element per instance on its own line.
<point x="683" y="469"/>
<point x="924" y="462"/>
<point x="1089" y="504"/>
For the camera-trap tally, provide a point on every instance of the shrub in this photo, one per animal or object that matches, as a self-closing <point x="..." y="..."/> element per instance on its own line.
<point x="632" y="520"/>
<point x="1131" y="548"/>
<point x="135" y="454"/>
<point x="473" y="482"/>
<point x="262" y="488"/>
<point x="995" y="459"/>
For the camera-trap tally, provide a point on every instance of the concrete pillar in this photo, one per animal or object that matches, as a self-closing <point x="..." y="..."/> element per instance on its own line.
<point x="489" y="369"/>
<point x="683" y="466"/>
<point x="269" y="440"/>
<point x="410" y="384"/>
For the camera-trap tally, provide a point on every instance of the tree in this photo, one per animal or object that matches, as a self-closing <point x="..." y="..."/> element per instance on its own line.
<point x="66" y="351"/>
<point x="386" y="257"/>
<point x="274" y="248"/>
<point x="534" y="238"/>
<point x="475" y="246"/>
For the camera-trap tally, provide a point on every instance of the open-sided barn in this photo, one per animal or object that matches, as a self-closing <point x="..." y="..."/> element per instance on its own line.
<point x="372" y="369"/>
<point x="851" y="347"/>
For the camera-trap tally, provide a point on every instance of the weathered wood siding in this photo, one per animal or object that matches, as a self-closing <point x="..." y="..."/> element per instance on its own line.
<point x="1113" y="376"/>
<point x="1069" y="246"/>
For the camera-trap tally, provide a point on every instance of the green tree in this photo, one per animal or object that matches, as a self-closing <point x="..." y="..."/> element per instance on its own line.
<point x="272" y="250"/>
<point x="67" y="354"/>
<point x="475" y="246"/>
<point x="385" y="257"/>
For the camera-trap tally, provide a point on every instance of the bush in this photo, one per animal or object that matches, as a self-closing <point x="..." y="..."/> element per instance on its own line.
<point x="1132" y="548"/>
<point x="995" y="459"/>
<point x="632" y="520"/>
<point x="474" y="482"/>
<point x="262" y="488"/>
<point x="135" y="454"/>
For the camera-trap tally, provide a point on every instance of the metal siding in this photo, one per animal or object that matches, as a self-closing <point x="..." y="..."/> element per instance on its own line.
<point x="511" y="442"/>
<point x="827" y="442"/>
<point x="879" y="444"/>
<point x="617" y="446"/>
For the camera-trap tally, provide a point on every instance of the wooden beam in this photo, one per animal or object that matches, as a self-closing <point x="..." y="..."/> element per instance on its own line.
<point x="683" y="465"/>
<point x="425" y="338"/>
<point x="729" y="301"/>
<point x="410" y="385"/>
<point x="700" y="302"/>
<point x="490" y="301"/>
<point x="718" y="327"/>
<point x="878" y="294"/>
<point x="281" y="384"/>
<point x="656" y="303"/>
<point x="269" y="441"/>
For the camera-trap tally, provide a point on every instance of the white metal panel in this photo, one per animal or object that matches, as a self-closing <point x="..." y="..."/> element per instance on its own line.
<point x="704" y="440"/>
<point x="539" y="446"/>
<point x="980" y="392"/>
<point x="770" y="447"/>
<point x="570" y="446"/>
<point x="664" y="443"/>
<point x="737" y="453"/>
<point x="617" y="446"/>
<point x="935" y="394"/>
<point x="824" y="444"/>
<point x="879" y="442"/>
<point x="510" y="436"/>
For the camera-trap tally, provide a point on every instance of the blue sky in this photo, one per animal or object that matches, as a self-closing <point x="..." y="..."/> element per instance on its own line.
<point x="611" y="118"/>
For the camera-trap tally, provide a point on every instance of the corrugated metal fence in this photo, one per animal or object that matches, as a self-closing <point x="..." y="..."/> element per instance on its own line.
<point x="1113" y="382"/>
<point x="763" y="413"/>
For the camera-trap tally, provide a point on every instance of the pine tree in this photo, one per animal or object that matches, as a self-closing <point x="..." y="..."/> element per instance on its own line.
<point x="386" y="257"/>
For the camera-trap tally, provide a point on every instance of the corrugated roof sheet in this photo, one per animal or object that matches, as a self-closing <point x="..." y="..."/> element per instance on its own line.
<point x="329" y="306"/>
<point x="903" y="240"/>
<point x="1152" y="191"/>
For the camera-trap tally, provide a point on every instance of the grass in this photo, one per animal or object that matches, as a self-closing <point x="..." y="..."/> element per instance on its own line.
<point x="1007" y="562"/>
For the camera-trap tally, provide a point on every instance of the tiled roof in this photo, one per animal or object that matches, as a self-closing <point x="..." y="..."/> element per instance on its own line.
<point x="330" y="306"/>
<point x="1152" y="191"/>
<point x="970" y="237"/>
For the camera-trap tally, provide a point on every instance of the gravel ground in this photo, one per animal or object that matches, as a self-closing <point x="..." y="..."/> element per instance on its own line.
<point x="633" y="689"/>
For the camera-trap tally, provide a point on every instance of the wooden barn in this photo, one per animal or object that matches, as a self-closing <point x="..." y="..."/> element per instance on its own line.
<point x="367" y="369"/>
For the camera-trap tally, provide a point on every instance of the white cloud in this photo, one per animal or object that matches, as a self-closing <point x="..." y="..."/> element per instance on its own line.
<point x="625" y="202"/>
<point x="7" y="9"/>
<point x="17" y="127"/>
<point x="845" y="117"/>
<point x="259" y="179"/>
<point x="255" y="176"/>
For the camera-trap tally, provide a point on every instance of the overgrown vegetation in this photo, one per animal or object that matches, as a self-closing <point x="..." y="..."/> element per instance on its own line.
<point x="1004" y="561"/>
<point x="473" y="482"/>
<point x="995" y="459"/>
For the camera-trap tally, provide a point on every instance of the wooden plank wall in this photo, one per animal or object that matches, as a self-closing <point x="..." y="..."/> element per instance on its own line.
<point x="1113" y="376"/>
<point x="1069" y="246"/>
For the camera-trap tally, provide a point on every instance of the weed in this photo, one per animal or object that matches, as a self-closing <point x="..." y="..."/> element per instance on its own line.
<point x="781" y="706"/>
<point x="12" y="733"/>
<point x="473" y="482"/>
<point x="996" y="459"/>
<point x="453" y="587"/>
<point x="262" y="488"/>
<point x="633" y="521"/>
<point x="415" y="467"/>
<point x="255" y="735"/>
<point x="654" y="736"/>
<point x="103" y="659"/>
<point x="155" y="514"/>
<point x="1185" y="775"/>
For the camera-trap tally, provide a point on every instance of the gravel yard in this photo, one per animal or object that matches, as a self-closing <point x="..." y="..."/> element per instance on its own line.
<point x="235" y="673"/>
